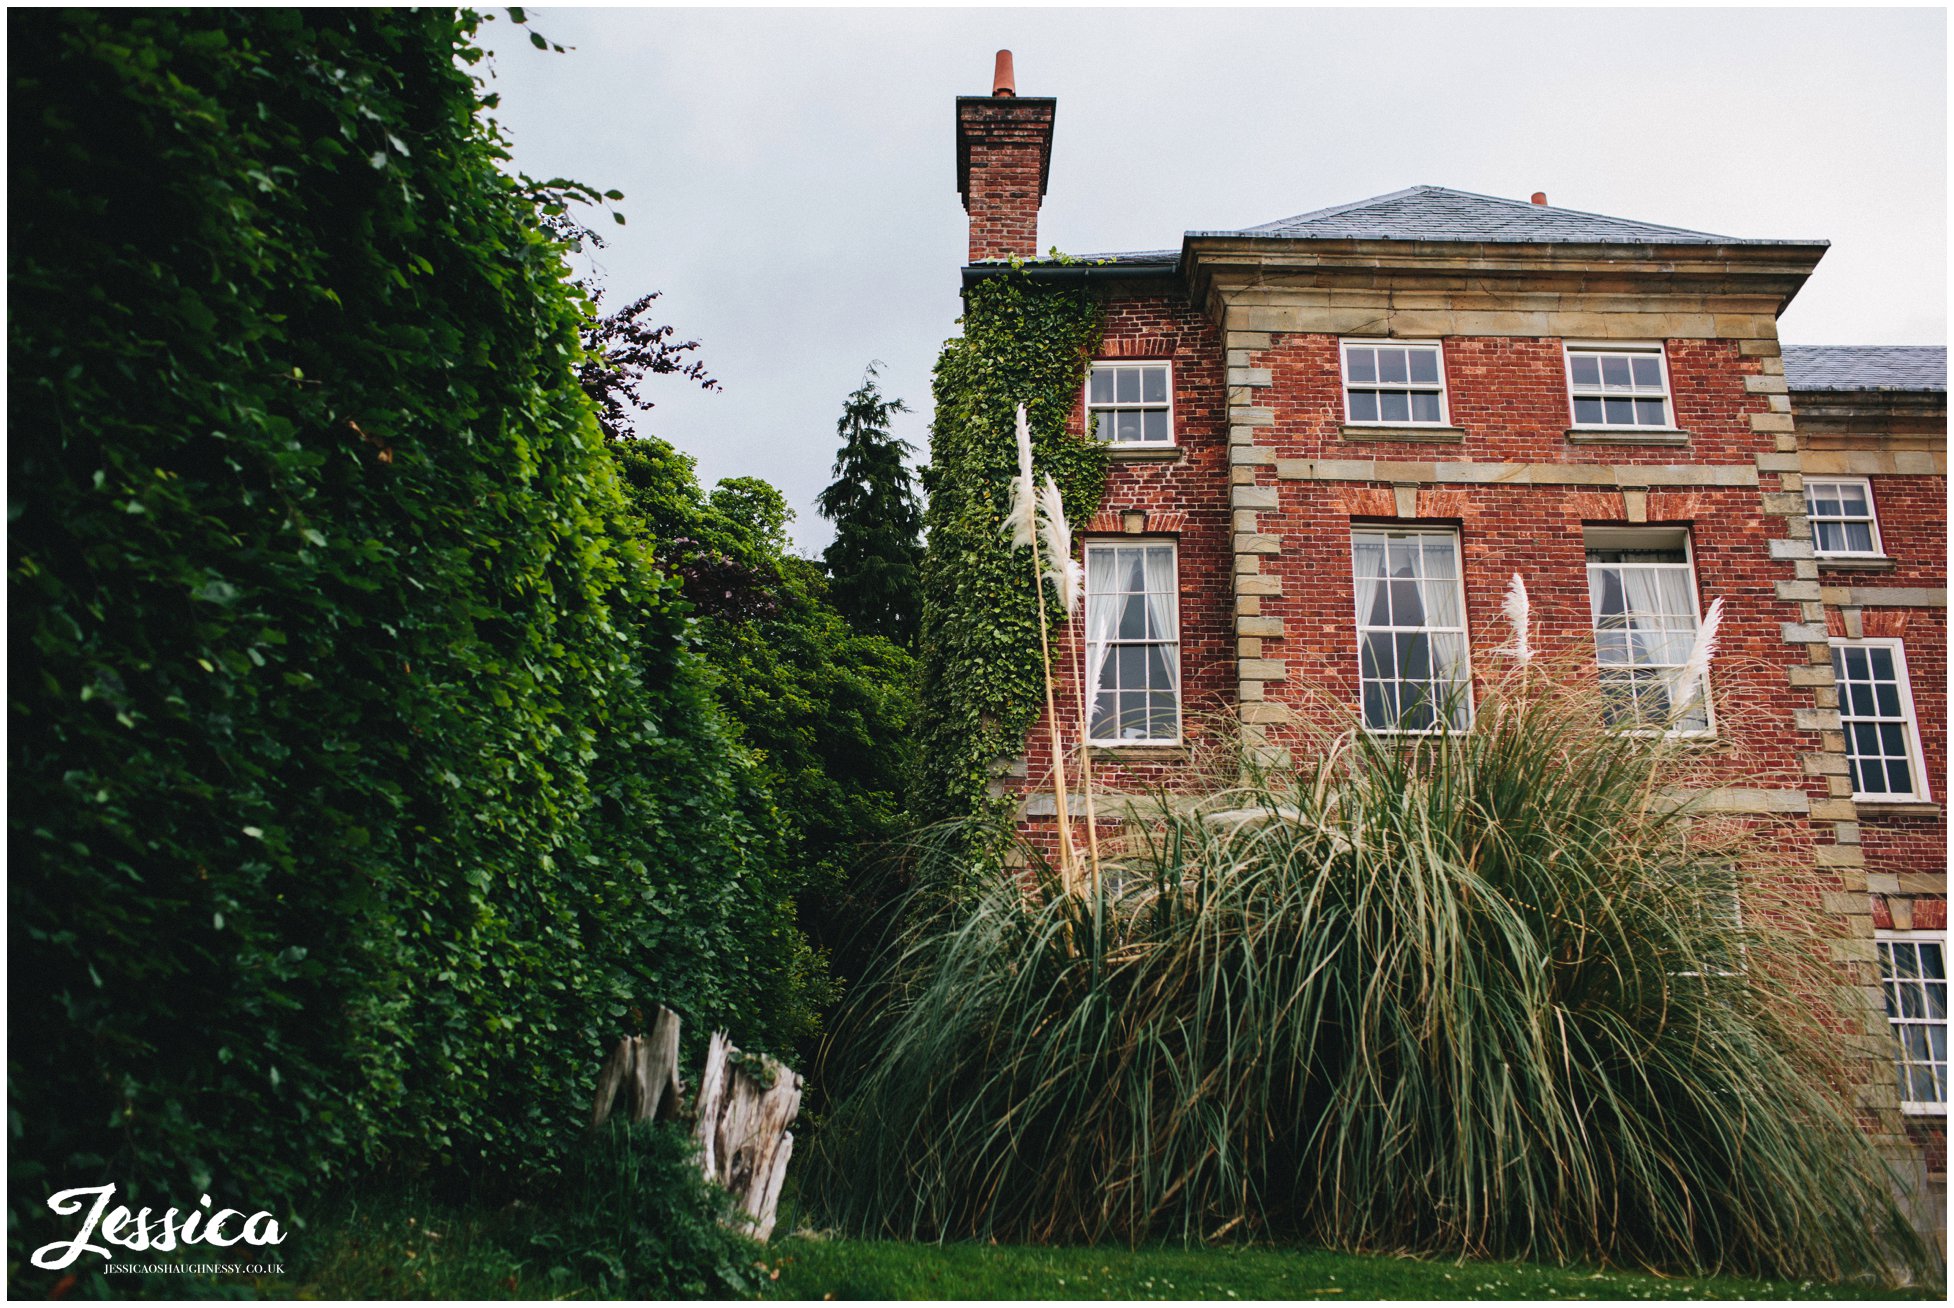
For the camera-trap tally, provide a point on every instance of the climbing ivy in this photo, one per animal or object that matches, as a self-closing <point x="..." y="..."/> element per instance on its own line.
<point x="1024" y="342"/>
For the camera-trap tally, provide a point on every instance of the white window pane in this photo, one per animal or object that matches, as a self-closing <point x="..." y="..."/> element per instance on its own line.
<point x="1102" y="385"/>
<point x="1424" y="366"/>
<point x="1648" y="373"/>
<point x="1363" y="406"/>
<point x="1618" y="413"/>
<point x="1126" y="426"/>
<point x="1153" y="388"/>
<point x="1126" y="386"/>
<point x="1587" y="372"/>
<point x="1153" y="428"/>
<point x="1856" y="537"/>
<point x="1651" y="413"/>
<point x="1391" y="366"/>
<point x="1587" y="412"/>
<point x="1394" y="406"/>
<point x="1614" y="371"/>
<point x="1361" y="364"/>
<point x="1424" y="406"/>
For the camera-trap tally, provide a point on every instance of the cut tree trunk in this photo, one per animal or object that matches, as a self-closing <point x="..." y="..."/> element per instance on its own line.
<point x="645" y="1069"/>
<point x="744" y="1143"/>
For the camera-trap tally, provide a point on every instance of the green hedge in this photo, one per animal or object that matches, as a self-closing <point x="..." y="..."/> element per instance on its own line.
<point x="363" y="778"/>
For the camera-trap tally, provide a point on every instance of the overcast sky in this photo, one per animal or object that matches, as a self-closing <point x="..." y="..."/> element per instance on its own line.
<point x="790" y="175"/>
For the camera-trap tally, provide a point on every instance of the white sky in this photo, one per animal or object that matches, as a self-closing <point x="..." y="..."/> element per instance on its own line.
<point x="790" y="175"/>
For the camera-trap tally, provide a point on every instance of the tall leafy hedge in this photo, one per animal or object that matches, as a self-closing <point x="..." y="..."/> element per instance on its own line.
<point x="1023" y="343"/>
<point x="363" y="778"/>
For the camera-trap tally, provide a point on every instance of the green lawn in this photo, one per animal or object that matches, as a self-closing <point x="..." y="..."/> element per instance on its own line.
<point x="863" y="1269"/>
<point x="401" y="1248"/>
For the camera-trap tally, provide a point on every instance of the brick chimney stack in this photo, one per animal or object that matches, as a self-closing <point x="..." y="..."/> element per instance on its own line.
<point x="1004" y="155"/>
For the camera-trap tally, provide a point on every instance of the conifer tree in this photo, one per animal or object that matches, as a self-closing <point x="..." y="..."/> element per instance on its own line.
<point x="876" y="558"/>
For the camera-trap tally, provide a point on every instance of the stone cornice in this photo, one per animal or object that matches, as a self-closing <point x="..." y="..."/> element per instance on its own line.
<point x="1759" y="279"/>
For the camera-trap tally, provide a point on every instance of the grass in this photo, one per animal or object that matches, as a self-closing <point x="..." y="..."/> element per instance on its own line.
<point x="883" y="1269"/>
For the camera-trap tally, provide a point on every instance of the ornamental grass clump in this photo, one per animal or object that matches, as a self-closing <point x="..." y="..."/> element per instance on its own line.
<point x="1486" y="994"/>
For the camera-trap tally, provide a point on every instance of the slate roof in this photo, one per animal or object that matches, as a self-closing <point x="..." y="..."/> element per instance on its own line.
<point x="1866" y="367"/>
<point x="1439" y="213"/>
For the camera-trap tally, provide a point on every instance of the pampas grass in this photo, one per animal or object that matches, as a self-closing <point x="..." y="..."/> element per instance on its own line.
<point x="1460" y="995"/>
<point x="1519" y="617"/>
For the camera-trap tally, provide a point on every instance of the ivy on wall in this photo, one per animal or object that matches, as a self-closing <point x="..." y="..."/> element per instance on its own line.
<point x="1023" y="343"/>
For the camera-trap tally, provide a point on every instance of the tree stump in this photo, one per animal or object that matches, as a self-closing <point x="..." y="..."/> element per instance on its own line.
<point x="744" y="1109"/>
<point x="645" y="1068"/>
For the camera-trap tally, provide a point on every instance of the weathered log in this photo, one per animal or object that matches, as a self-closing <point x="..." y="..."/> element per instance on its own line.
<point x="712" y="1091"/>
<point x="645" y="1069"/>
<point x="742" y="1129"/>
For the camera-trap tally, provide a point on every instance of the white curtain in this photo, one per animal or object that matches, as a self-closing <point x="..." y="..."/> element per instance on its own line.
<point x="1368" y="556"/>
<point x="1102" y="622"/>
<point x="1163" y="609"/>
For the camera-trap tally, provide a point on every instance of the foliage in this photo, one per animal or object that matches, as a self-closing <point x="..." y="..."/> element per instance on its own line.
<point x="636" y="1220"/>
<point x="630" y="1217"/>
<point x="811" y="1270"/>
<point x="623" y="351"/>
<point x="1023" y="343"/>
<point x="874" y="562"/>
<point x="363" y="776"/>
<point x="824" y="709"/>
<point x="1478" y="995"/>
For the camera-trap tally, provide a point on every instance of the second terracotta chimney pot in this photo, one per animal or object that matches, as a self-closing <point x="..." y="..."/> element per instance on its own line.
<point x="1540" y="197"/>
<point x="1004" y="82"/>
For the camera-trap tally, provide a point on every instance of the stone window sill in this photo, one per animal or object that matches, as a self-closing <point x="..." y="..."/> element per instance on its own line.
<point x="1896" y="808"/>
<point x="1621" y="436"/>
<point x="1143" y="453"/>
<point x="1364" y="432"/>
<point x="1139" y="754"/>
<point x="1861" y="563"/>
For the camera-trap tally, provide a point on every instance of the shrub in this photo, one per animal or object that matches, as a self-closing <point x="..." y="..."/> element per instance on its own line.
<point x="1479" y="994"/>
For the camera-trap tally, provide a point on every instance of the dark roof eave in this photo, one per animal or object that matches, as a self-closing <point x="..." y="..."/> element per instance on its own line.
<point x="1070" y="272"/>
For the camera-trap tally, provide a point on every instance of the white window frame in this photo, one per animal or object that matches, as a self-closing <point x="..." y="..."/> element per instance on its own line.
<point x="1912" y="1107"/>
<point x="1916" y="756"/>
<point x="1871" y="519"/>
<point x="1116" y="406"/>
<point x="1569" y="349"/>
<point x="1442" y="389"/>
<point x="1649" y="538"/>
<point x="1091" y="692"/>
<point x="1363" y="627"/>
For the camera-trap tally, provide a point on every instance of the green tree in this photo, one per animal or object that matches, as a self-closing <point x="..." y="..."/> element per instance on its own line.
<point x="824" y="708"/>
<point x="875" y="560"/>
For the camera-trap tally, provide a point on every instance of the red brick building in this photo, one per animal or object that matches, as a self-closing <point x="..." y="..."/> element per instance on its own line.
<point x="1336" y="436"/>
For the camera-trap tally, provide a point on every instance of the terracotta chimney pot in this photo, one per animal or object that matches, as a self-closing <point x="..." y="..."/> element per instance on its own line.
<point x="1004" y="82"/>
<point x="1540" y="197"/>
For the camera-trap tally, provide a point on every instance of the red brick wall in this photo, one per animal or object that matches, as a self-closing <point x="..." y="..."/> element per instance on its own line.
<point x="1912" y="529"/>
<point x="1509" y="394"/>
<point x="1185" y="501"/>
